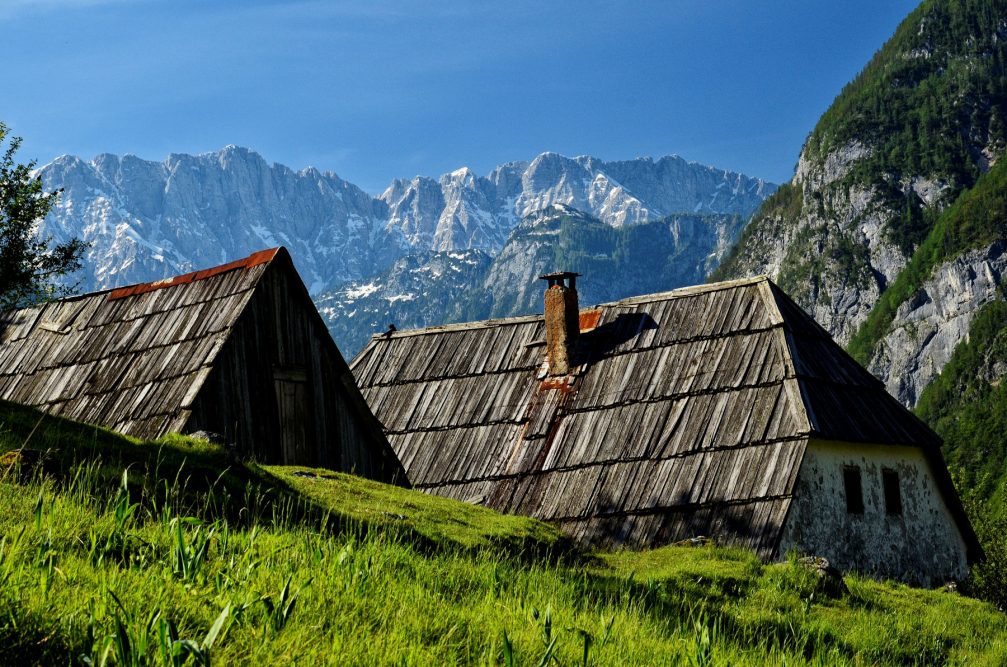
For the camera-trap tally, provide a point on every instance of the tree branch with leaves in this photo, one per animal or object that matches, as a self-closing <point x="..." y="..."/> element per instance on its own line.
<point x="31" y="264"/>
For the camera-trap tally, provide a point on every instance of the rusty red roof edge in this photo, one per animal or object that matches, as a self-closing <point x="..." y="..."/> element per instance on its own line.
<point x="255" y="259"/>
<point x="589" y="319"/>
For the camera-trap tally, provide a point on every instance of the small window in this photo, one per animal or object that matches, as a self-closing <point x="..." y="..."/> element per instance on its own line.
<point x="854" y="491"/>
<point x="893" y="495"/>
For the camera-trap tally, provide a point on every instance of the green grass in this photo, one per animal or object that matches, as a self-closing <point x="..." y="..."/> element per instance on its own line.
<point x="440" y="520"/>
<point x="176" y="563"/>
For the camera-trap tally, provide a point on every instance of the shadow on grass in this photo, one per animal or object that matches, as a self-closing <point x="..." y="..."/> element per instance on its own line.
<point x="179" y="476"/>
<point x="25" y="639"/>
<point x="718" y="603"/>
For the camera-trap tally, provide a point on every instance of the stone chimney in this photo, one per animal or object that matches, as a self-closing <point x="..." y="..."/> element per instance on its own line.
<point x="562" y="320"/>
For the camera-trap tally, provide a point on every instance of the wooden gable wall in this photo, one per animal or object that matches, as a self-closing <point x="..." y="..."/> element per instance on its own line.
<point x="281" y="391"/>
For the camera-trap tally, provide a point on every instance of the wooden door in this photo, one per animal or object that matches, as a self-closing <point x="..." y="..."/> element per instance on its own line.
<point x="293" y="402"/>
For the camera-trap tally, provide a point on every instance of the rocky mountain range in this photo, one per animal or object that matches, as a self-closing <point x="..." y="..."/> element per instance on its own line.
<point x="462" y="210"/>
<point x="439" y="287"/>
<point x="149" y="220"/>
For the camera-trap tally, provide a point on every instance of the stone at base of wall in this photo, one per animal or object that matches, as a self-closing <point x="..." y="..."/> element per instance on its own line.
<point x="830" y="579"/>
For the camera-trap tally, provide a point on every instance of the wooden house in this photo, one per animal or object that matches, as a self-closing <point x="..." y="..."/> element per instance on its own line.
<point x="721" y="410"/>
<point x="238" y="350"/>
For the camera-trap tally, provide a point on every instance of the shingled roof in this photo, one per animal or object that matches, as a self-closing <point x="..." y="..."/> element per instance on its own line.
<point x="193" y="352"/>
<point x="687" y="412"/>
<point x="127" y="358"/>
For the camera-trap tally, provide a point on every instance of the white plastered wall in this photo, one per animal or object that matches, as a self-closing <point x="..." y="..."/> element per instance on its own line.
<point x="922" y="546"/>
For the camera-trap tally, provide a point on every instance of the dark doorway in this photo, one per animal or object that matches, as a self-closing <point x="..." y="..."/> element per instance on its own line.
<point x="293" y="402"/>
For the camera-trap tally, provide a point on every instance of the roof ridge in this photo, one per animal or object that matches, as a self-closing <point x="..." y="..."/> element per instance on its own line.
<point x="460" y="326"/>
<point x="255" y="259"/>
<point x="689" y="290"/>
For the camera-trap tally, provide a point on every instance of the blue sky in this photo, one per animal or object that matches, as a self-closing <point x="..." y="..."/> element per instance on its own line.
<point x="383" y="89"/>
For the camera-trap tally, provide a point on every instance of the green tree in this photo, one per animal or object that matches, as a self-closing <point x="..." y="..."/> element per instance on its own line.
<point x="30" y="264"/>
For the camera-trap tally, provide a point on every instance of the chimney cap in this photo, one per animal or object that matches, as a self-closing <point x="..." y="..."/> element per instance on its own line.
<point x="559" y="275"/>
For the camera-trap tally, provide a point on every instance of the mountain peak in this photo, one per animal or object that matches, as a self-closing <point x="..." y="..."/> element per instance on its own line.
<point x="463" y="175"/>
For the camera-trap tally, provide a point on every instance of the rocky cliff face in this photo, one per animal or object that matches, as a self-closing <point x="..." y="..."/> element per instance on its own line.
<point x="615" y="263"/>
<point x="937" y="319"/>
<point x="147" y="220"/>
<point x="918" y="127"/>
<point x="463" y="210"/>
<point x="826" y="245"/>
<point x="419" y="290"/>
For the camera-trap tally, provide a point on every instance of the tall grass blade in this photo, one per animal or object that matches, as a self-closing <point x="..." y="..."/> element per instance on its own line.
<point x="37" y="512"/>
<point x="211" y="635"/>
<point x="547" y="656"/>
<point x="508" y="650"/>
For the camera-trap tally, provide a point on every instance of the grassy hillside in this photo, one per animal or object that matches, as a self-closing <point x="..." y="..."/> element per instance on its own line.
<point x="114" y="551"/>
